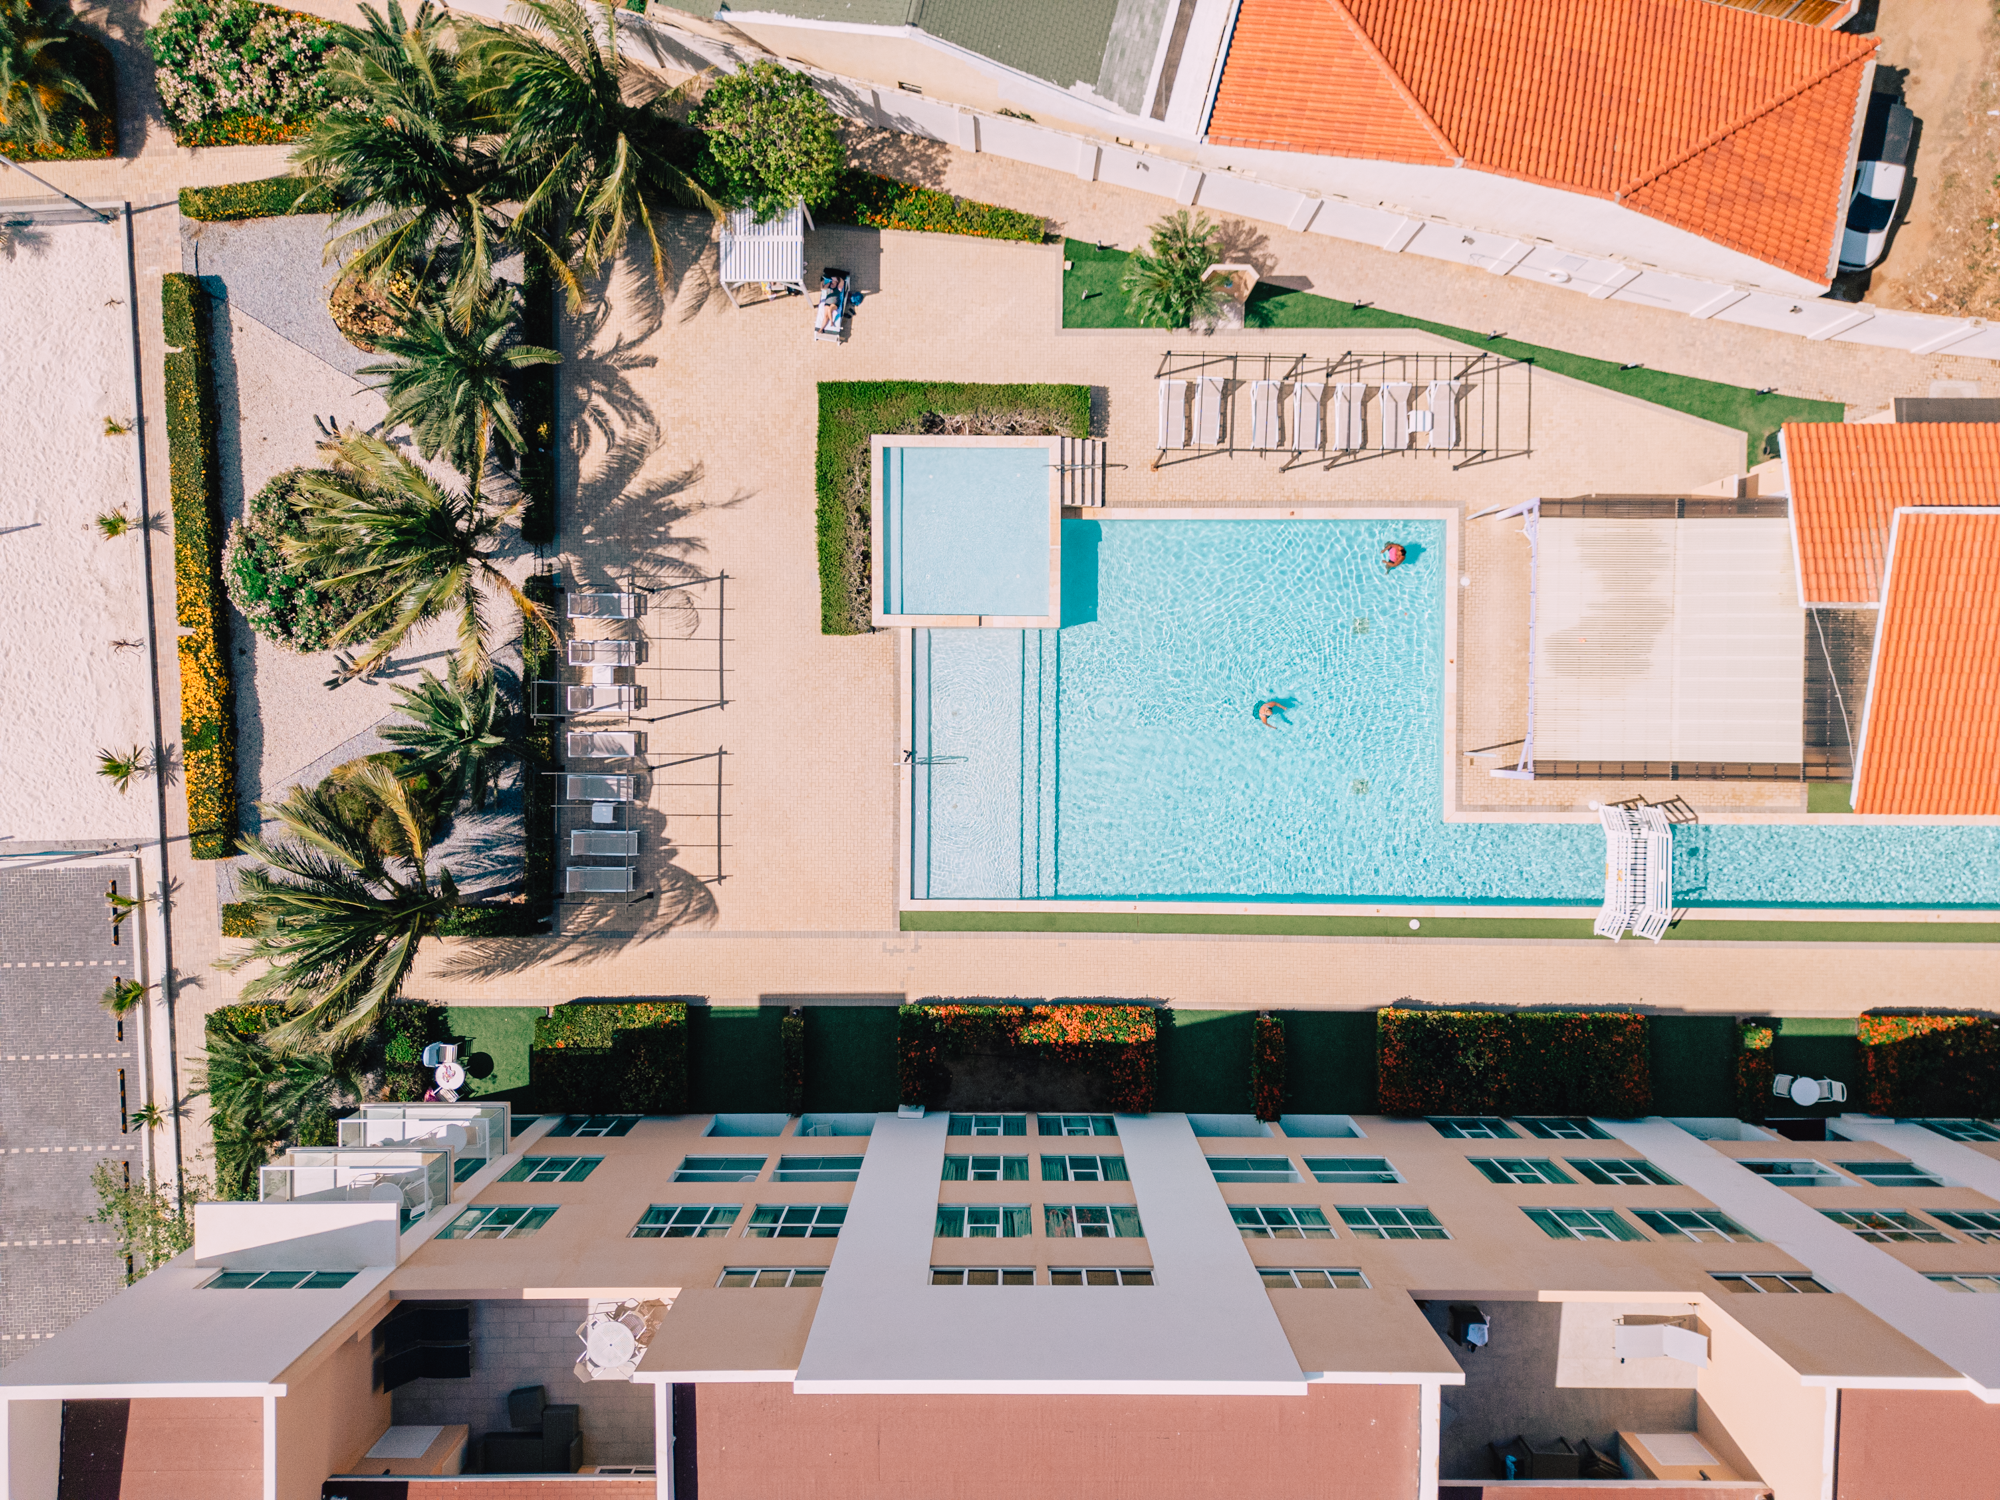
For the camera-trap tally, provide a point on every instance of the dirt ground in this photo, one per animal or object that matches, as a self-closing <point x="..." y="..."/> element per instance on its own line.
<point x="1945" y="257"/>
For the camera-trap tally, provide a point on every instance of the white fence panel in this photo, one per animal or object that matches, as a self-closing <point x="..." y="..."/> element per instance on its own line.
<point x="1226" y="193"/>
<point x="1660" y="289"/>
<point x="849" y="100"/>
<point x="1801" y="315"/>
<point x="1891" y="330"/>
<point x="1982" y="345"/>
<point x="914" y="115"/>
<point x="1465" y="247"/>
<point x="1136" y="169"/>
<point x="1342" y="220"/>
<point x="1017" y="140"/>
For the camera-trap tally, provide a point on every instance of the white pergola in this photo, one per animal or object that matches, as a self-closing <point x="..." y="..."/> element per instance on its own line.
<point x="770" y="254"/>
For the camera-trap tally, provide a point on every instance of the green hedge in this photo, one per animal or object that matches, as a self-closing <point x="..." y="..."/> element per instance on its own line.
<point x="208" y="694"/>
<point x="249" y="1018"/>
<point x="611" y="1059"/>
<point x="538" y="793"/>
<point x="535" y="397"/>
<point x="78" y="134"/>
<point x="853" y="411"/>
<point x="884" y="203"/>
<point x="266" y="198"/>
<point x="1457" y="1062"/>
<point x="1945" y="1066"/>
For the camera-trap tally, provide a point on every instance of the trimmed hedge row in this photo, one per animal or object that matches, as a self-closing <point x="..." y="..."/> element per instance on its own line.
<point x="80" y="134"/>
<point x="1438" y="1062"/>
<point x="1267" y="1068"/>
<point x="266" y="198"/>
<point x="1930" y="1065"/>
<point x="1119" y="1042"/>
<point x="792" y="1034"/>
<point x="884" y="203"/>
<point x="611" y="1059"/>
<point x="853" y="411"/>
<point x="208" y="693"/>
<point x="538" y="660"/>
<point x="535" y="395"/>
<point x="1755" y="1069"/>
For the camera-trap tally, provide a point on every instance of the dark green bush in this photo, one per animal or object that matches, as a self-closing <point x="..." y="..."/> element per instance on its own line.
<point x="535" y="404"/>
<point x="884" y="203"/>
<point x="78" y="133"/>
<point x="538" y="659"/>
<point x="266" y="198"/>
<point x="611" y="1059"/>
<point x="285" y="601"/>
<point x="771" y="140"/>
<point x="1459" y="1062"/>
<point x="851" y="412"/>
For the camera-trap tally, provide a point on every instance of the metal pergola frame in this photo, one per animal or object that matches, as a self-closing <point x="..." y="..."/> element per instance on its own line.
<point x="545" y="696"/>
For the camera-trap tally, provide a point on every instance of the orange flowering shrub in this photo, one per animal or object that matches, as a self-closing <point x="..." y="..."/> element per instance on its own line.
<point x="1119" y="1040"/>
<point x="1930" y="1065"/>
<point x="1267" y="1068"/>
<point x="1754" y="1069"/>
<point x="611" y="1059"/>
<point x="1456" y="1062"/>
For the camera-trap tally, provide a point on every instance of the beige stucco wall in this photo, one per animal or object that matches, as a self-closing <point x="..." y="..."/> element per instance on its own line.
<point x="329" y="1418"/>
<point x="1778" y="1423"/>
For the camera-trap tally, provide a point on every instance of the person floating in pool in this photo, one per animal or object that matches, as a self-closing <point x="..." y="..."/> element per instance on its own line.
<point x="1393" y="554"/>
<point x="1273" y="708"/>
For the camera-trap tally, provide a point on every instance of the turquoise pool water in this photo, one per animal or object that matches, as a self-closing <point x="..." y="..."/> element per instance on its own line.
<point x="965" y="531"/>
<point x="1121" y="757"/>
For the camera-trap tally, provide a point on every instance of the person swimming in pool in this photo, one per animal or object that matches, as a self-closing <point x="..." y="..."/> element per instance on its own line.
<point x="1275" y="707"/>
<point x="1393" y="554"/>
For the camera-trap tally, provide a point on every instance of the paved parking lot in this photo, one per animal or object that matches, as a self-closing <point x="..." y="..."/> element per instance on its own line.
<point x="65" y="1075"/>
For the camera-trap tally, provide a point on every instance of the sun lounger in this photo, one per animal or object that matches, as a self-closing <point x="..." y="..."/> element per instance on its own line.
<point x="1417" y="421"/>
<point x="1350" y="404"/>
<point x="1305" y="417"/>
<point x="1208" y="412"/>
<point x="1264" y="414"/>
<point x="597" y="787"/>
<point x="1173" y="414"/>
<point x="603" y="841"/>
<point x="1394" y="400"/>
<point x="599" y="880"/>
<point x="1443" y="396"/>
<point x="600" y="744"/>
<point x="600" y="698"/>
<point x="836" y="300"/>
<point x="580" y="606"/>
<point x="603" y="653"/>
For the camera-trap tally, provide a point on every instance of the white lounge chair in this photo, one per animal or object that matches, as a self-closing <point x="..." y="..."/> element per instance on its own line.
<point x="603" y="653"/>
<point x="599" y="880"/>
<point x="600" y="606"/>
<point x="600" y="744"/>
<point x="603" y="841"/>
<point x="1443" y="397"/>
<point x="1305" y="416"/>
<point x="597" y="787"/>
<point x="1173" y="414"/>
<point x="1264" y="414"/>
<point x="600" y="698"/>
<point x="1350" y="405"/>
<point x="1394" y="400"/>
<point x="1208" y="412"/>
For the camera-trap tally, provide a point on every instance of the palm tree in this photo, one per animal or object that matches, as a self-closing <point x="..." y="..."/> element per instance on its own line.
<point x="377" y="519"/>
<point x="343" y="901"/>
<point x="123" y="997"/>
<point x="37" y="47"/>
<point x="120" y="767"/>
<point x="457" y="731"/>
<point x="262" y="1093"/>
<point x="590" y="135"/>
<point x="410" y="155"/>
<point x="1168" y="280"/>
<point x="450" y="384"/>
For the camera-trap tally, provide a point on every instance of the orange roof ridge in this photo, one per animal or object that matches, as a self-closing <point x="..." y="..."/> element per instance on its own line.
<point x="1396" y="82"/>
<point x="1865" y="46"/>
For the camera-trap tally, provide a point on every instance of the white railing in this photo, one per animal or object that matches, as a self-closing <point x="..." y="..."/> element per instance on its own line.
<point x="1638" y="873"/>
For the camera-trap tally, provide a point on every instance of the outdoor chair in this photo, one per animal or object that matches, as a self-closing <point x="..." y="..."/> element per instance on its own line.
<point x="836" y="300"/>
<point x="603" y="842"/>
<point x="599" y="880"/>
<point x="545" y="1439"/>
<point x="1350" y="404"/>
<point x="590" y="787"/>
<point x="1173" y="415"/>
<point x="600" y="698"/>
<point x="1264" y="414"/>
<point x="600" y="744"/>
<point x="1208" y="412"/>
<point x="1394" y="399"/>
<point x="1305" y="417"/>
<point x="603" y="653"/>
<point x="1443" y="399"/>
<point x="600" y="606"/>
<point x="1781" y="1086"/>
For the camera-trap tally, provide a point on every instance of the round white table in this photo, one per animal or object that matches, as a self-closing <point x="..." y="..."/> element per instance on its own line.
<point x="1806" y="1092"/>
<point x="450" y="1075"/>
<point x="609" y="1343"/>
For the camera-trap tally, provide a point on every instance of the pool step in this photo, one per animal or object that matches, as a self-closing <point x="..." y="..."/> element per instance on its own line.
<point x="1082" y="464"/>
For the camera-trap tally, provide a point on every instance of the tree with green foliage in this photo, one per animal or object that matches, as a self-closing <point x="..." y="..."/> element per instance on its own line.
<point x="38" y="58"/>
<point x="410" y="157"/>
<point x="772" y="138"/>
<point x="458" y="732"/>
<point x="123" y="997"/>
<point x="341" y="902"/>
<point x="375" y="520"/>
<point x="592" y="139"/>
<point x="1167" y="282"/>
<point x="265" y="1094"/>
<point x="451" y="383"/>
<point x="149" y="1224"/>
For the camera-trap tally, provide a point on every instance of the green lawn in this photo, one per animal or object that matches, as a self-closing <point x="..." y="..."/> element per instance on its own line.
<point x="493" y="1043"/>
<point x="1092" y="299"/>
<point x="1693" y="930"/>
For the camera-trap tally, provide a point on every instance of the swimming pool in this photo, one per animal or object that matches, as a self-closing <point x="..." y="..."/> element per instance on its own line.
<point x="1120" y="757"/>
<point x="964" y="528"/>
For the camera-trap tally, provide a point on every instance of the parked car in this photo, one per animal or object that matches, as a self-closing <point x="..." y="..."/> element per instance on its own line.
<point x="1879" y="175"/>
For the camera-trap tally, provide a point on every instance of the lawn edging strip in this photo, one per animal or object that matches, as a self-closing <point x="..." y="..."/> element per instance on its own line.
<point x="1542" y="929"/>
<point x="208" y="692"/>
<point x="853" y="411"/>
<point x="1093" y="297"/>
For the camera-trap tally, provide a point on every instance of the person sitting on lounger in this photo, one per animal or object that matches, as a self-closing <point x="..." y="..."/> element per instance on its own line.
<point x="1393" y="554"/>
<point x="831" y="303"/>
<point x="1275" y="707"/>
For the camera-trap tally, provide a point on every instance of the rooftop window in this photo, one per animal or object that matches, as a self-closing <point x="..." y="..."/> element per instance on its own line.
<point x="1281" y="1222"/>
<point x="1312" y="1279"/>
<point x="1253" y="1169"/>
<point x="989" y="1168"/>
<point x="1798" y="1174"/>
<point x="719" y="1169"/>
<point x="552" y="1169"/>
<point x="1961" y="1130"/>
<point x="1471" y="1128"/>
<point x="817" y="1169"/>
<point x="1375" y="1223"/>
<point x="498" y="1221"/>
<point x="686" y="1221"/>
<point x="982" y="1275"/>
<point x="1351" y="1169"/>
<point x="1582" y="1224"/>
<point x="1075" y="1125"/>
<point x="1518" y="1169"/>
<point x="773" y="1276"/>
<point x="1062" y="1221"/>
<point x="1893" y="1173"/>
<point x="1101" y="1276"/>
<point x="279" y="1281"/>
<point x="1562" y="1128"/>
<point x="593" y="1125"/>
<point x="988" y="1125"/>
<point x="1887" y="1226"/>
<point x="1620" y="1171"/>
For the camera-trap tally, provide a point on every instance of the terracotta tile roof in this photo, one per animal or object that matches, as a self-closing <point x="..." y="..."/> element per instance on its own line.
<point x="1933" y="736"/>
<point x="1848" y="478"/>
<point x="1731" y="125"/>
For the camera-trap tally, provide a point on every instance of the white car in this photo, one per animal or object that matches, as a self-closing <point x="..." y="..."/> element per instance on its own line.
<point x="1878" y="182"/>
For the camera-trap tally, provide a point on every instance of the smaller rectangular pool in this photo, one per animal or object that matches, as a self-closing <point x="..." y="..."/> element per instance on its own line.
<point x="965" y="531"/>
